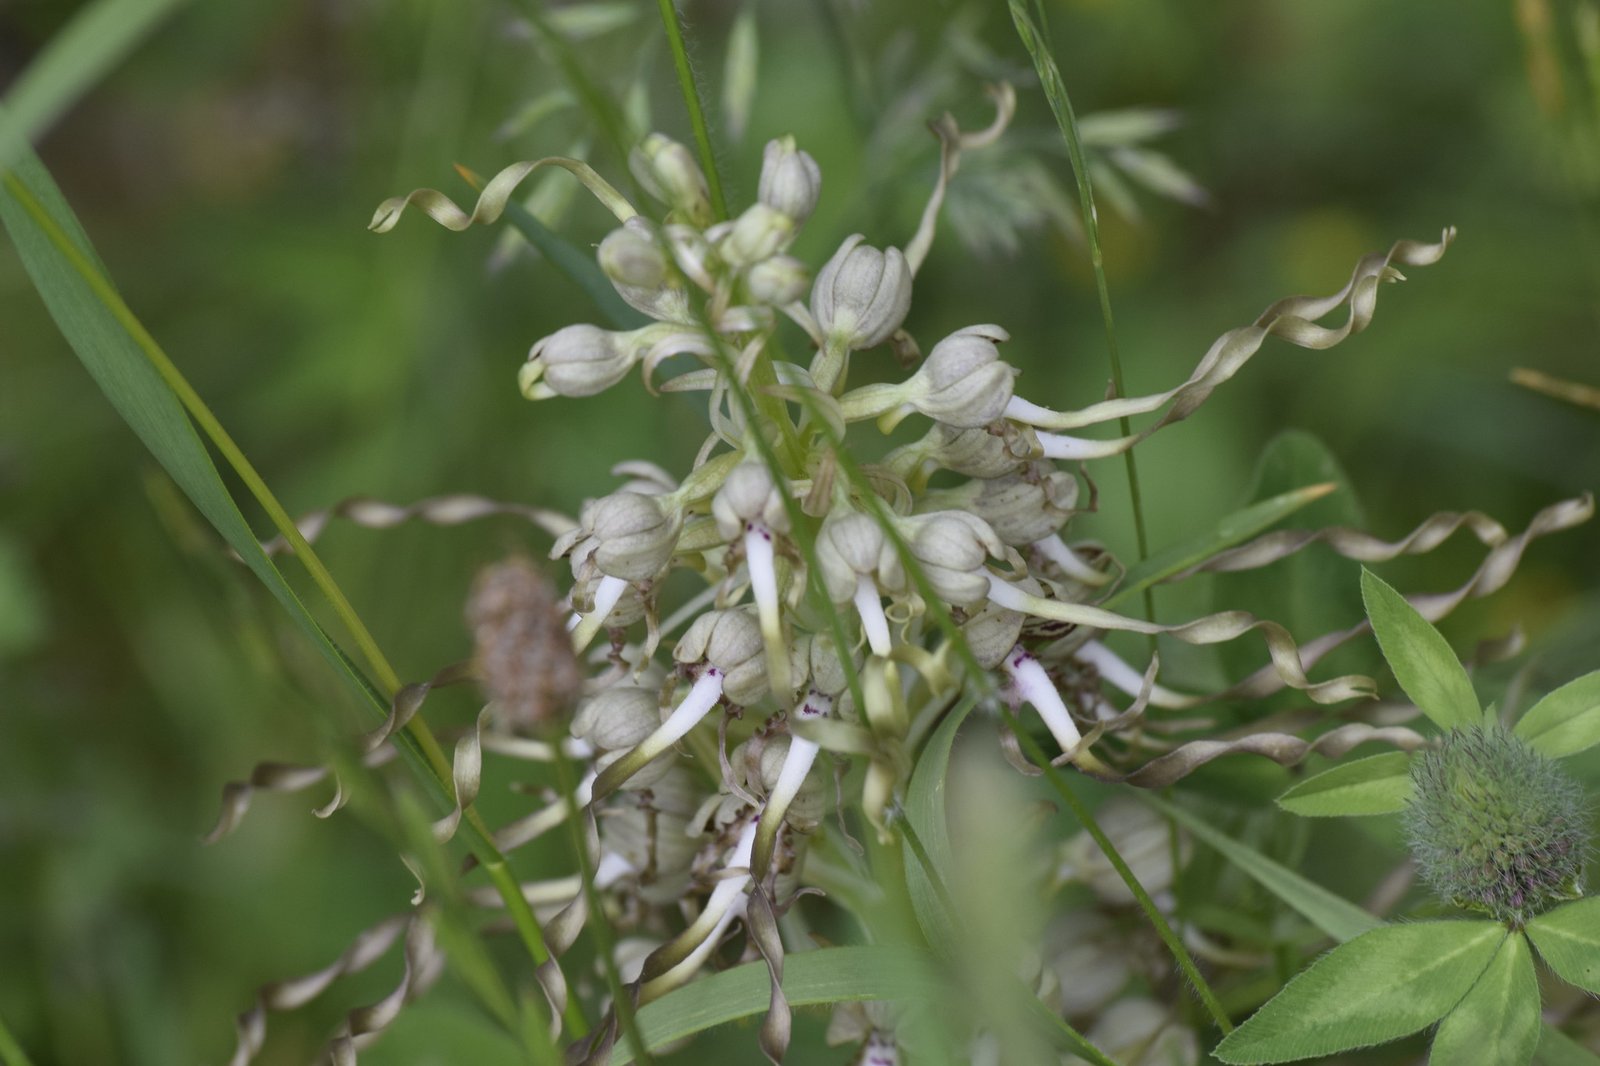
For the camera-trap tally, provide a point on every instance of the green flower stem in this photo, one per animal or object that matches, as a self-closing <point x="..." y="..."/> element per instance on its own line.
<point x="478" y="835"/>
<point x="1061" y="105"/>
<point x="691" y="101"/>
<point x="599" y="925"/>
<point x="11" y="1053"/>
<point x="1180" y="953"/>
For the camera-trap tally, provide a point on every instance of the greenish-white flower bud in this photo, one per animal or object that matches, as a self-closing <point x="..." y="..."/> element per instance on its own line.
<point x="1141" y="836"/>
<point x="963" y="381"/>
<point x="804" y="812"/>
<point x="578" y="360"/>
<point x="1021" y="508"/>
<point x="862" y="294"/>
<point x="851" y="545"/>
<point x="632" y="258"/>
<point x="668" y="171"/>
<point x="617" y="718"/>
<point x="777" y="281"/>
<point x="758" y="233"/>
<point x="730" y="640"/>
<point x="586" y="579"/>
<point x="791" y="181"/>
<point x="634" y="537"/>
<point x="828" y="674"/>
<point x="654" y="836"/>
<point x="749" y="496"/>
<point x="980" y="453"/>
<point x="1142" y="1032"/>
<point x="953" y="548"/>
<point x="1495" y="826"/>
<point x="992" y="633"/>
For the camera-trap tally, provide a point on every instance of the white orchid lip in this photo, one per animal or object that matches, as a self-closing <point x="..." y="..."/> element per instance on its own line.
<point x="1028" y="683"/>
<point x="683" y="955"/>
<point x="873" y="620"/>
<point x="607" y="594"/>
<point x="797" y="763"/>
<point x="702" y="697"/>
<point x="1060" y="552"/>
<point x="1124" y="677"/>
<point x="759" y="559"/>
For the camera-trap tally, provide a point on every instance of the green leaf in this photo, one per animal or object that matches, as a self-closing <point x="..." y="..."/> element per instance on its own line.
<point x="925" y="809"/>
<point x="1382" y="985"/>
<point x="1558" y="1049"/>
<point x="99" y="36"/>
<point x="1568" y="938"/>
<point x="1233" y="529"/>
<point x="1337" y="917"/>
<point x="1498" y="1021"/>
<point x="1566" y="721"/>
<point x="1421" y="659"/>
<point x="1380" y="784"/>
<point x="810" y="978"/>
<point x="581" y="269"/>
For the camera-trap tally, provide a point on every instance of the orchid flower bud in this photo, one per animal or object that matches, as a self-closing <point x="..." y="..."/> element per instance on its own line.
<point x="668" y="171"/>
<point x="748" y="496"/>
<point x="731" y="642"/>
<point x="992" y="633"/>
<point x="953" y="548"/>
<point x="618" y="717"/>
<point x="634" y="537"/>
<point x="858" y="563"/>
<point x="777" y="281"/>
<point x="791" y="181"/>
<point x="862" y="294"/>
<point x="759" y="233"/>
<point x="639" y="269"/>
<point x="979" y="452"/>
<point x="828" y="674"/>
<point x="748" y="504"/>
<point x="968" y="384"/>
<point x="578" y="361"/>
<point x="801" y="798"/>
<point x="1021" y="508"/>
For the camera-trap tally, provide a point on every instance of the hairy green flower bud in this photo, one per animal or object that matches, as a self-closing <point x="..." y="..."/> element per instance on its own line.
<point x="1495" y="826"/>
<point x="827" y="667"/>
<point x="731" y="641"/>
<point x="668" y="171"/>
<point x="778" y="281"/>
<point x="634" y="537"/>
<point x="577" y="361"/>
<point x="639" y="269"/>
<point x="791" y="181"/>
<point x="748" y="495"/>
<point x="1021" y="508"/>
<point x="862" y="295"/>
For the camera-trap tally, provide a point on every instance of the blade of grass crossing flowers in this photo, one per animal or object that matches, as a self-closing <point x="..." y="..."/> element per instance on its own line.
<point x="152" y="396"/>
<point x="691" y="101"/>
<point x="99" y="37"/>
<point x="1055" y="91"/>
<point x="1186" y="963"/>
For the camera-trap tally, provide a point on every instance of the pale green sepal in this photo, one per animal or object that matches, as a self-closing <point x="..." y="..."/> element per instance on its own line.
<point x="1498" y="1021"/>
<point x="1421" y="659"/>
<point x="1380" y="784"/>
<point x="1380" y="986"/>
<point x="1568" y="939"/>
<point x="1566" y="721"/>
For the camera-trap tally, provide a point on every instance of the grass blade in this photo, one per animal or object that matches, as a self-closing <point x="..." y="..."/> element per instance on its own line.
<point x="691" y="102"/>
<point x="1055" y="91"/>
<point x="99" y="37"/>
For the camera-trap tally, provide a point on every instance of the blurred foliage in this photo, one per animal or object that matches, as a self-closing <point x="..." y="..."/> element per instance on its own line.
<point x="227" y="170"/>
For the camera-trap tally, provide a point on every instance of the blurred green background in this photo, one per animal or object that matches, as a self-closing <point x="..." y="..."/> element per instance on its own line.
<point x="228" y="169"/>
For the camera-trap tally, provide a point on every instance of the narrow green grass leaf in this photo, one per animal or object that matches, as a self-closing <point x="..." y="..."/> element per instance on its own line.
<point x="1337" y="917"/>
<point x="581" y="269"/>
<point x="1385" y="984"/>
<point x="1566" y="721"/>
<point x="925" y="810"/>
<point x="11" y="1053"/>
<point x="1420" y="657"/>
<point x="99" y="37"/>
<point x="1568" y="939"/>
<point x="1498" y="1021"/>
<point x="1379" y="784"/>
<point x="1233" y="529"/>
<point x="810" y="978"/>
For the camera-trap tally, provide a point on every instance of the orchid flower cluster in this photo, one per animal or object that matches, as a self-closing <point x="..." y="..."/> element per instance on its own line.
<point x="848" y="601"/>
